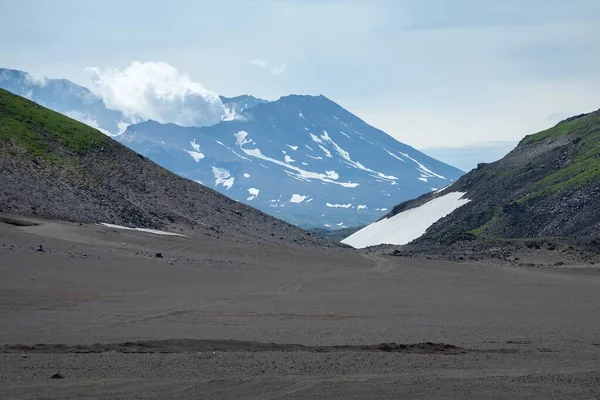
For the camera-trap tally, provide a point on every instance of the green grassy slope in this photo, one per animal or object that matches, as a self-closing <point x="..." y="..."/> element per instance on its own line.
<point x="40" y="132"/>
<point x="584" y="132"/>
<point x="548" y="186"/>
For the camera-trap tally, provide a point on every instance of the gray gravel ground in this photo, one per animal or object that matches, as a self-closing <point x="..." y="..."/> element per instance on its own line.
<point x="520" y="332"/>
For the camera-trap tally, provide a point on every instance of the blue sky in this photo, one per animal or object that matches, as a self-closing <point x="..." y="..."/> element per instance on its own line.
<point x="429" y="72"/>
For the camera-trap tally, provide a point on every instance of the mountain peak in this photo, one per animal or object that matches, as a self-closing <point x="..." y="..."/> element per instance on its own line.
<point x="304" y="98"/>
<point x="302" y="158"/>
<point x="242" y="97"/>
<point x="239" y="104"/>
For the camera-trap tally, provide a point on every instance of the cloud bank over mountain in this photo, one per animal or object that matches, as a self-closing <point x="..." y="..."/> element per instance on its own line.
<point x="157" y="91"/>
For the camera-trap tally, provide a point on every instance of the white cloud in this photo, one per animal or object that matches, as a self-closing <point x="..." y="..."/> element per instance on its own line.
<point x="157" y="91"/>
<point x="122" y="125"/>
<point x="272" y="68"/>
<point x="35" y="80"/>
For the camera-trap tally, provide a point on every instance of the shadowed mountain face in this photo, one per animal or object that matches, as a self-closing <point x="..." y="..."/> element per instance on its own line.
<point x="54" y="167"/>
<point x="548" y="186"/>
<point x="304" y="159"/>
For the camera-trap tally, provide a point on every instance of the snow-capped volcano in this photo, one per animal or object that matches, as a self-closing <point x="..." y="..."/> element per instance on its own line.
<point x="304" y="159"/>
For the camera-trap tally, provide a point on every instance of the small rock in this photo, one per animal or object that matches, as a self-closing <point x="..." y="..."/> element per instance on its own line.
<point x="57" y="376"/>
<point x="159" y="255"/>
<point x="40" y="248"/>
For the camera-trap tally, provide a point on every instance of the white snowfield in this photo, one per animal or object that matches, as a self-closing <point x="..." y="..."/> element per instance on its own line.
<point x="153" y="231"/>
<point x="253" y="193"/>
<point x="408" y="225"/>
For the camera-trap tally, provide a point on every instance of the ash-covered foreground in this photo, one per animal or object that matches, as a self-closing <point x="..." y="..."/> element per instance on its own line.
<point x="217" y="319"/>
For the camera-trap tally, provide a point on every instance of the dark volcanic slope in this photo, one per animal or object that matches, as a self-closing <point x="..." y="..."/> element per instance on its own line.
<point x="54" y="167"/>
<point x="548" y="186"/>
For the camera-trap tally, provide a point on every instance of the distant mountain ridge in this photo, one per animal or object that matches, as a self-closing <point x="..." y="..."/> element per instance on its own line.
<point x="302" y="158"/>
<point x="467" y="157"/>
<point x="239" y="104"/>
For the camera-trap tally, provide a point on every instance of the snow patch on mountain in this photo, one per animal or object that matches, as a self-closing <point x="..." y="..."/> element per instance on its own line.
<point x="408" y="225"/>
<point x="393" y="155"/>
<point x="346" y="156"/>
<point x="315" y="138"/>
<point x="326" y="151"/>
<point x="338" y="205"/>
<point x="426" y="171"/>
<point x="301" y="173"/>
<point x="332" y="174"/>
<point x="223" y="177"/>
<point x="296" y="198"/>
<point x="240" y="138"/>
<point x="233" y="151"/>
<point x="197" y="156"/>
<point x="253" y="193"/>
